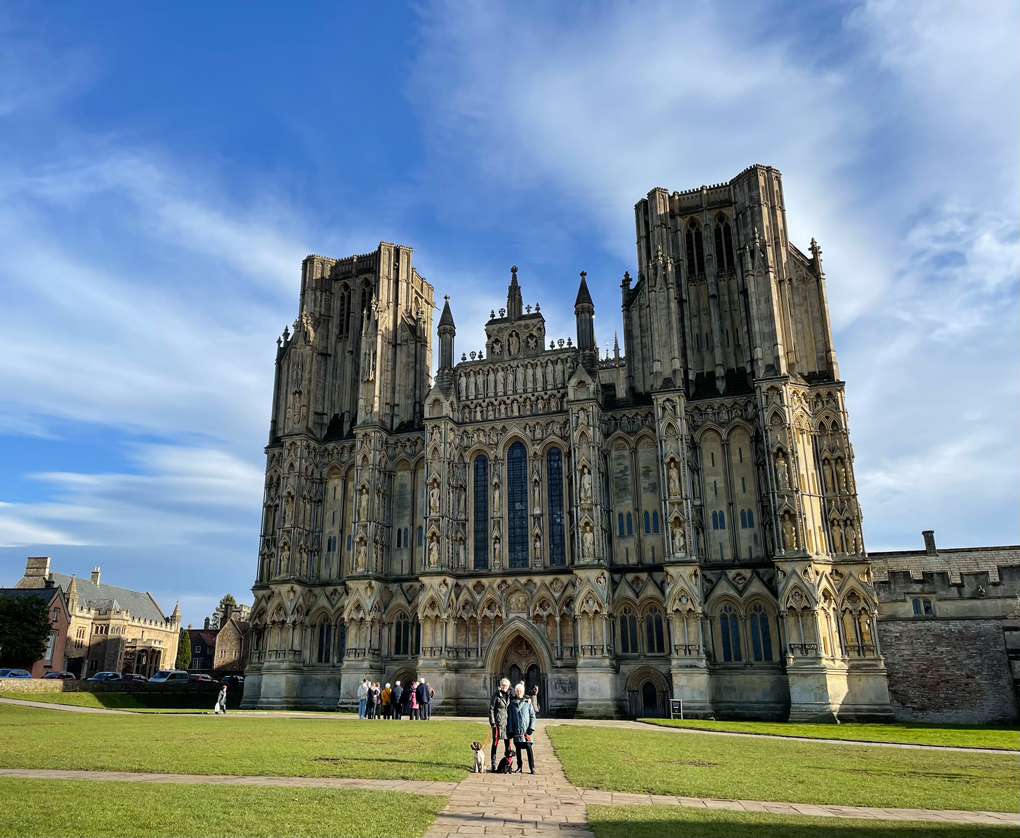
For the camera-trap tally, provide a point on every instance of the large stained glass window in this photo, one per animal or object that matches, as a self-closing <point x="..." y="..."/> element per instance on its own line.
<point x="554" y="477"/>
<point x="517" y="506"/>
<point x="481" y="510"/>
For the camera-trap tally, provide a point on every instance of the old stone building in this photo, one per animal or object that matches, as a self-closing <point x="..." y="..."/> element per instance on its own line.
<point x="681" y="520"/>
<point x="111" y="629"/>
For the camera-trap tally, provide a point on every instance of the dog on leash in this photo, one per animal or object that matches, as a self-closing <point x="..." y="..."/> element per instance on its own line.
<point x="479" y="766"/>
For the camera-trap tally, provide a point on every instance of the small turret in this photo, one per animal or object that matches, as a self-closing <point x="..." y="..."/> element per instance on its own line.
<point x="584" y="311"/>
<point x="514" y="303"/>
<point x="447" y="332"/>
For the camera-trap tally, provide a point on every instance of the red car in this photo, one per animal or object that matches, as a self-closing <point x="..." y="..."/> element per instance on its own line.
<point x="63" y="676"/>
<point x="133" y="677"/>
<point x="200" y="678"/>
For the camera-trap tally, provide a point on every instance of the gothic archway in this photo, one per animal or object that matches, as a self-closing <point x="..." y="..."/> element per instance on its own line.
<point x="520" y="653"/>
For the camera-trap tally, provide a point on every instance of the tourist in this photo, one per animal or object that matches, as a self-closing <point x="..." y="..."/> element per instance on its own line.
<point x="378" y="700"/>
<point x="221" y="701"/>
<point x="372" y="695"/>
<point x="429" y="695"/>
<point x="498" y="707"/>
<point x="423" y="699"/>
<point x="534" y="700"/>
<point x="387" y="694"/>
<point x="412" y="701"/>
<point x="396" y="696"/>
<point x="362" y="698"/>
<point x="521" y="725"/>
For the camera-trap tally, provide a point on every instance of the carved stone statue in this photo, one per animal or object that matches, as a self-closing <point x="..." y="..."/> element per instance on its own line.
<point x="363" y="504"/>
<point x="587" y="543"/>
<point x="789" y="534"/>
<point x="434" y="498"/>
<point x="359" y="556"/>
<point x="837" y="537"/>
<point x="536" y="493"/>
<point x="433" y="552"/>
<point x="841" y="476"/>
<point x="585" y="484"/>
<point x="497" y="508"/>
<point x="288" y="510"/>
<point x="851" y="539"/>
<point x="673" y="474"/>
<point x="517" y="602"/>
<point x="538" y="548"/>
<point x="460" y="553"/>
<point x="460" y="501"/>
<point x="782" y="473"/>
<point x="496" y="555"/>
<point x="679" y="540"/>
<point x="513" y="345"/>
<point x="827" y="476"/>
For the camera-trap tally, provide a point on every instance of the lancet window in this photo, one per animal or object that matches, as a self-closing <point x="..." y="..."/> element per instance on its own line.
<point x="729" y="634"/>
<point x="654" y="634"/>
<point x="554" y="479"/>
<point x="517" y="506"/>
<point x="724" y="243"/>
<point x="481" y="512"/>
<point x="628" y="632"/>
<point x="761" y="636"/>
<point x="695" y="249"/>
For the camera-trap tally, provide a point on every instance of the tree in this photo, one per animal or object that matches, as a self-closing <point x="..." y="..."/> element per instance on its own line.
<point x="217" y="618"/>
<point x="24" y="630"/>
<point x="183" y="650"/>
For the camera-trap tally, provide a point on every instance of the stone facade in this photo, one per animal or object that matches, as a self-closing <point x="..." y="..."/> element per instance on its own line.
<point x="111" y="629"/>
<point x="679" y="521"/>
<point x="946" y="622"/>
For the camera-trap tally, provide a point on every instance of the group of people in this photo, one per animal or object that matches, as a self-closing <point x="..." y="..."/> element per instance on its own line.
<point x="512" y="717"/>
<point x="375" y="702"/>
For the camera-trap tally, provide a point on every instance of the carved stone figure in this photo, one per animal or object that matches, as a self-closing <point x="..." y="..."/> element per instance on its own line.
<point x="587" y="543"/>
<point x="841" y="476"/>
<point x="827" y="476"/>
<point x="673" y="474"/>
<point x="517" y="601"/>
<point x="585" y="484"/>
<point x="461" y="494"/>
<point x="363" y="504"/>
<point x="782" y="473"/>
<point x="497" y="507"/>
<point x="837" y="538"/>
<point x="538" y="548"/>
<point x="288" y="510"/>
<point x="789" y="533"/>
<point x="536" y="494"/>
<point x="496" y="554"/>
<point x="359" y="555"/>
<point x="679" y="540"/>
<point x="434" y="498"/>
<point x="433" y="552"/>
<point x="851" y="539"/>
<point x="513" y="345"/>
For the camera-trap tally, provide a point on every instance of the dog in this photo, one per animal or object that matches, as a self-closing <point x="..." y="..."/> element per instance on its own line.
<point x="479" y="766"/>
<point x="506" y="765"/>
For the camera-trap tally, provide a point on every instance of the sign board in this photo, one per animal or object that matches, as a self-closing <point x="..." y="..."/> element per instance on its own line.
<point x="676" y="708"/>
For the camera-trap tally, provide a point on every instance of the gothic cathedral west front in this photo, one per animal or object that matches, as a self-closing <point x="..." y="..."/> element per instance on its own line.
<point x="676" y="522"/>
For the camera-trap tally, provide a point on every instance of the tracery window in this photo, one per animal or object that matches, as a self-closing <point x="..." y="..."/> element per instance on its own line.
<point x="724" y="243"/>
<point x="481" y="510"/>
<point x="619" y="523"/>
<point x="729" y="633"/>
<point x="695" y="249"/>
<point x="517" y="506"/>
<point x="648" y="523"/>
<point x="325" y="642"/>
<point x="554" y="478"/>
<point x="402" y="636"/>
<point x="630" y="525"/>
<point x="655" y="522"/>
<point x="761" y="636"/>
<point x="654" y="635"/>
<point x="628" y="632"/>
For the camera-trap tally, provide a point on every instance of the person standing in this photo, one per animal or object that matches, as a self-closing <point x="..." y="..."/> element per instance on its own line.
<point x="363" y="698"/>
<point x="387" y="696"/>
<point x="396" y="695"/>
<point x="498" y="707"/>
<point x="534" y="700"/>
<point x="221" y="701"/>
<point x="412" y="701"/>
<point x="429" y="695"/>
<point x="521" y="725"/>
<point x="422" y="695"/>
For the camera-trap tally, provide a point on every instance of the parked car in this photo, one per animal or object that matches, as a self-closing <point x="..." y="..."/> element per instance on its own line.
<point x="15" y="673"/>
<point x="133" y="677"/>
<point x="200" y="678"/>
<point x="167" y="676"/>
<point x="105" y="676"/>
<point x="63" y="676"/>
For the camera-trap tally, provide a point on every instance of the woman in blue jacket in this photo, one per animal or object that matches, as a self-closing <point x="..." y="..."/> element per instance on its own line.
<point x="521" y="725"/>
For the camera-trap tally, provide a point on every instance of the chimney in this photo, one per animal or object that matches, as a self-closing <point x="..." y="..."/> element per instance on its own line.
<point x="206" y="624"/>
<point x="929" y="542"/>
<point x="95" y="576"/>
<point x="37" y="572"/>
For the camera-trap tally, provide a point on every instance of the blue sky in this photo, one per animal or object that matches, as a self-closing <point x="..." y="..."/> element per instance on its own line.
<point x="164" y="169"/>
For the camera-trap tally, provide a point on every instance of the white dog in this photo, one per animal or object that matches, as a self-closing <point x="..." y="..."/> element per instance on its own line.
<point x="479" y="766"/>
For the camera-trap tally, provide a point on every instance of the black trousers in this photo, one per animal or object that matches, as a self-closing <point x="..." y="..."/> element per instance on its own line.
<point x="495" y="745"/>
<point x="531" y="756"/>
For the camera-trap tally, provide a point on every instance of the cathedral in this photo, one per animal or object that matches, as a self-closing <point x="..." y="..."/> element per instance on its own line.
<point x="679" y="521"/>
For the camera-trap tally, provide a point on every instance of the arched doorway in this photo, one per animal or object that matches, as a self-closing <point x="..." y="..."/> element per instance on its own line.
<point x="648" y="694"/>
<point x="520" y="659"/>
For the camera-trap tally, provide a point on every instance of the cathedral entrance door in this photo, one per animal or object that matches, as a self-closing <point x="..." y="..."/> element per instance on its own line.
<point x="521" y="663"/>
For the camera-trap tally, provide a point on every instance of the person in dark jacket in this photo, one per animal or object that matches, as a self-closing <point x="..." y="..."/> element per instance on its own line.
<point x="396" y="695"/>
<point x="498" y="705"/>
<point x="423" y="697"/>
<point x="521" y="725"/>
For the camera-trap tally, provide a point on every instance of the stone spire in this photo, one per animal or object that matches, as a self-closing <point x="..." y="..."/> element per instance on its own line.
<point x="72" y="595"/>
<point x="514" y="304"/>
<point x="584" y="311"/>
<point x="447" y="331"/>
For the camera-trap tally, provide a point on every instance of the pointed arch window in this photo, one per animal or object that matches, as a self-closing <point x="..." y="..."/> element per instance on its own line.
<point x="402" y="636"/>
<point x="628" y="632"/>
<point x="729" y="634"/>
<point x="648" y="523"/>
<point x="724" y="243"/>
<point x="655" y="642"/>
<point x="619" y="523"/>
<point x="481" y="513"/>
<point x="695" y="249"/>
<point x="630" y="525"/>
<point x="554" y="478"/>
<point x="517" y="506"/>
<point x="761" y="637"/>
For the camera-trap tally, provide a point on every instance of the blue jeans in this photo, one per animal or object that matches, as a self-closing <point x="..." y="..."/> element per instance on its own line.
<point x="361" y="707"/>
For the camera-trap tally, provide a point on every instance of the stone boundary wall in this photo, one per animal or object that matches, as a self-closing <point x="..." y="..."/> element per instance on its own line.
<point x="152" y="695"/>
<point x="948" y="671"/>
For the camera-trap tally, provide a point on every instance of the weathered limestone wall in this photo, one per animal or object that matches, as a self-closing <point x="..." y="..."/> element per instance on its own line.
<point x="948" y="671"/>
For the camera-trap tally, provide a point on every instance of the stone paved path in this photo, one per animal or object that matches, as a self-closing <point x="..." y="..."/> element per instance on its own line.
<point x="520" y="804"/>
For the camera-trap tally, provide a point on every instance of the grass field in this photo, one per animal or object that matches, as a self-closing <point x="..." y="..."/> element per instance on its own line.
<point x="959" y="736"/>
<point x="747" y="768"/>
<point x="682" y="822"/>
<point x="95" y="808"/>
<point x="235" y="744"/>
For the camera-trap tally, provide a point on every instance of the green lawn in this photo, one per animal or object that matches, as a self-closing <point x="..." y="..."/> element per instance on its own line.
<point x="959" y="736"/>
<point x="683" y="822"/>
<point x="784" y="770"/>
<point x="116" y="701"/>
<point x="97" y="808"/>
<point x="236" y="744"/>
